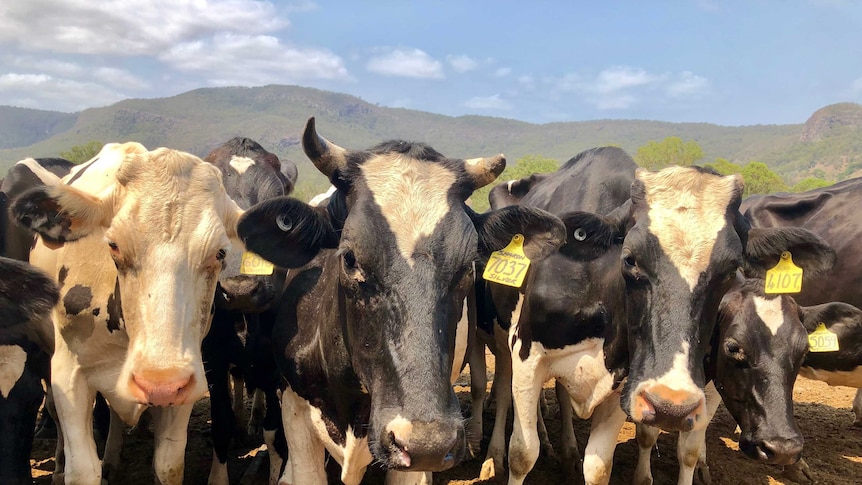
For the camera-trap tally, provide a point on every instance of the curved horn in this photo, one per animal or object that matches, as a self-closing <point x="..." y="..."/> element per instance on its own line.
<point x="326" y="156"/>
<point x="483" y="171"/>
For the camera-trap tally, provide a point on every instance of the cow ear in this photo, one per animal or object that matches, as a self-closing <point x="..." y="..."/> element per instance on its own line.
<point x="588" y="235"/>
<point x="61" y="213"/>
<point x="765" y="245"/>
<point x="830" y="314"/>
<point x="286" y="231"/>
<point x="543" y="232"/>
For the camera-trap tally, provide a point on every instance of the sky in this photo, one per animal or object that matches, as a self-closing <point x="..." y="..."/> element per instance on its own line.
<point x="726" y="62"/>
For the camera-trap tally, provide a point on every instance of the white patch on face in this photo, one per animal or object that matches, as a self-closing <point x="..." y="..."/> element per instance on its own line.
<point x="677" y="378"/>
<point x="241" y="164"/>
<point x="45" y="176"/>
<point x="769" y="312"/>
<point x="12" y="360"/>
<point x="412" y="196"/>
<point x="852" y="378"/>
<point x="686" y="212"/>
<point x="317" y="199"/>
<point x="509" y="185"/>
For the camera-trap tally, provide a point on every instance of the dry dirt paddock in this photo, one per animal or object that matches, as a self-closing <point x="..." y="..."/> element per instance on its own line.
<point x="833" y="449"/>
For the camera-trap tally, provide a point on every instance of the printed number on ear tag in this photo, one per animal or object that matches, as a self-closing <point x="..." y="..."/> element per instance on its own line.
<point x="254" y="265"/>
<point x="785" y="277"/>
<point x="508" y="266"/>
<point x="822" y="340"/>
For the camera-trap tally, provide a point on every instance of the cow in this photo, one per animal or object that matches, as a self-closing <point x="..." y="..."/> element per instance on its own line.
<point x="622" y="315"/>
<point x="136" y="240"/>
<point x="251" y="174"/>
<point x="823" y="211"/>
<point x="26" y="298"/>
<point x="365" y="329"/>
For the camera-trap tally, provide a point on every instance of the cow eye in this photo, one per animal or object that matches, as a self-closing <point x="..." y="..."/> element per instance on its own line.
<point x="349" y="260"/>
<point x="734" y="350"/>
<point x="629" y="259"/>
<point x="113" y="246"/>
<point x="220" y="255"/>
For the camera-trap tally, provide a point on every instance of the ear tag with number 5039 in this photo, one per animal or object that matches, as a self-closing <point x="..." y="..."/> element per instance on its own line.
<point x="785" y="277"/>
<point x="822" y="340"/>
<point x="254" y="265"/>
<point x="508" y="266"/>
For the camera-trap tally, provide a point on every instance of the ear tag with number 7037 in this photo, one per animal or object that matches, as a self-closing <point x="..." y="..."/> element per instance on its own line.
<point x="785" y="277"/>
<point x="508" y="266"/>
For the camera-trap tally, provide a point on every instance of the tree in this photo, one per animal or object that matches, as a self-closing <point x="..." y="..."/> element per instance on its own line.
<point x="523" y="167"/>
<point x="670" y="151"/>
<point x="810" y="183"/>
<point x="82" y="153"/>
<point x="759" y="179"/>
<point x="724" y="166"/>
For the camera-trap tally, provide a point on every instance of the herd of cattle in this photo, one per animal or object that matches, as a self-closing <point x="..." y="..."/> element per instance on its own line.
<point x="648" y="296"/>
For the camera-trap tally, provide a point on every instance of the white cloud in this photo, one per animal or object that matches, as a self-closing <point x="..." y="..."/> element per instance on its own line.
<point x="130" y="27"/>
<point x="231" y="59"/>
<point x="462" y="63"/>
<point x="120" y="78"/>
<point x="687" y="84"/>
<point x="48" y="66"/>
<point x="42" y="91"/>
<point x="406" y="63"/>
<point x="493" y="102"/>
<point x="857" y="85"/>
<point x="619" y="78"/>
<point x="503" y="72"/>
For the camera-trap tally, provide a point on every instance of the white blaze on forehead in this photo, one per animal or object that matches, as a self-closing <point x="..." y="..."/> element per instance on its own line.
<point x="686" y="212"/>
<point x="12" y="360"/>
<point x="412" y="196"/>
<point x="769" y="311"/>
<point x="241" y="164"/>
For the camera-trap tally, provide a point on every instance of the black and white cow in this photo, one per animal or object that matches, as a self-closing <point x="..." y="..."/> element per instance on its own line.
<point x="251" y="174"/>
<point x="136" y="240"/>
<point x="26" y="299"/>
<point x="623" y="314"/>
<point x="365" y="334"/>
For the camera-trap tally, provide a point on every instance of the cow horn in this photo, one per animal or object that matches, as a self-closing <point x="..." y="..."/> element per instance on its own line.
<point x="483" y="171"/>
<point x="326" y="156"/>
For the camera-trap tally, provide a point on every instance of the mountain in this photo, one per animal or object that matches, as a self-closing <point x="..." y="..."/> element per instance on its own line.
<point x="199" y="120"/>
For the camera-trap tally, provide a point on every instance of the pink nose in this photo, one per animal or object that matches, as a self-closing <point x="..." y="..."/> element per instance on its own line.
<point x="166" y="387"/>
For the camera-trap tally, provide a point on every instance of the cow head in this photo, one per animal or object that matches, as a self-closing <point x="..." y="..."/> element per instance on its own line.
<point x="251" y="175"/>
<point x="165" y="221"/>
<point x="405" y="245"/>
<point x="761" y="340"/>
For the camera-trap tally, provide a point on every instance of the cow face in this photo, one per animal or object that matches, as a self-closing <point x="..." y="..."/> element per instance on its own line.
<point x="166" y="223"/>
<point x="758" y="352"/>
<point x="404" y="256"/>
<point x="251" y="174"/>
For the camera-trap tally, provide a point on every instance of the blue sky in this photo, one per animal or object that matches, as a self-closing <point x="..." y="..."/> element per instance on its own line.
<point x="725" y="62"/>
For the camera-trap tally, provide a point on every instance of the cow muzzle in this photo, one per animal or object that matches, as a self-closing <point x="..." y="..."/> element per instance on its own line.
<point x="164" y="387"/>
<point x="423" y="445"/>
<point x="669" y="409"/>
<point x="773" y="451"/>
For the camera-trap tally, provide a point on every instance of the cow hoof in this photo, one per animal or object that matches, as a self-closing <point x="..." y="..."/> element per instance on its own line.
<point x="798" y="472"/>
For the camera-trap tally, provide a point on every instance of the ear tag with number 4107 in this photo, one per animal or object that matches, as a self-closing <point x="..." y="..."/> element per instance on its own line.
<point x="822" y="340"/>
<point x="508" y="266"/>
<point x="785" y="277"/>
<point x="254" y="265"/>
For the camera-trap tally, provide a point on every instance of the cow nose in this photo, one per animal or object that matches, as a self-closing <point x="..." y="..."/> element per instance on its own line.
<point x="778" y="451"/>
<point x="424" y="446"/>
<point x="162" y="387"/>
<point x="669" y="409"/>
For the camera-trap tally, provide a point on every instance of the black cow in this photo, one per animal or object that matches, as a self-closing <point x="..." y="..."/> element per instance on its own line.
<point x="26" y="298"/>
<point x="828" y="213"/>
<point x="251" y="175"/>
<point x="365" y="331"/>
<point x="623" y="314"/>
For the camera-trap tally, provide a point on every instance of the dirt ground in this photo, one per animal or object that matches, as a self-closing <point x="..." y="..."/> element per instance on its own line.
<point x="833" y="449"/>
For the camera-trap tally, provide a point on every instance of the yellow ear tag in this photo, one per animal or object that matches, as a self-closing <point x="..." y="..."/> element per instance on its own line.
<point x="822" y="340"/>
<point x="254" y="264"/>
<point x="785" y="277"/>
<point x="508" y="266"/>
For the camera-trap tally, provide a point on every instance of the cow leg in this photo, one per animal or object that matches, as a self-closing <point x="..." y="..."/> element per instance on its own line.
<point x="646" y="436"/>
<point x="73" y="399"/>
<point x="496" y="455"/>
<point x="545" y="448"/>
<point x="238" y="402"/>
<point x="258" y="411"/>
<point x="691" y="447"/>
<point x="305" y="462"/>
<point x="857" y="408"/>
<point x="608" y="419"/>
<point x="407" y="478"/>
<point x="528" y="376"/>
<point x="271" y="428"/>
<point x="570" y="457"/>
<point x="171" y="434"/>
<point x="478" y="388"/>
<point x="113" y="446"/>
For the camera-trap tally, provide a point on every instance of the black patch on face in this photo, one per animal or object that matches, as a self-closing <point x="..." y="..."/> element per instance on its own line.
<point x="81" y="172"/>
<point x="61" y="277"/>
<point x="96" y="311"/>
<point x="115" y="309"/>
<point x="77" y="299"/>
